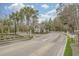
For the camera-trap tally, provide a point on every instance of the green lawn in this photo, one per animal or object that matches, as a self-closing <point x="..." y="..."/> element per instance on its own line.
<point x="68" y="49"/>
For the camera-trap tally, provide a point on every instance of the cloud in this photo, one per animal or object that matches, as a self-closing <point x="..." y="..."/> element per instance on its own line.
<point x="32" y="6"/>
<point x="53" y="12"/>
<point x="43" y="17"/>
<point x="16" y="6"/>
<point x="50" y="14"/>
<point x="45" y="6"/>
<point x="57" y="6"/>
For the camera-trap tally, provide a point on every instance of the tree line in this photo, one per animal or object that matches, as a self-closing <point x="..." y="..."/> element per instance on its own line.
<point x="23" y="20"/>
<point x="67" y="17"/>
<point x="26" y="20"/>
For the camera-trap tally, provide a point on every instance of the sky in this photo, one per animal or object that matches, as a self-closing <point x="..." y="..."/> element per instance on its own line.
<point x="46" y="10"/>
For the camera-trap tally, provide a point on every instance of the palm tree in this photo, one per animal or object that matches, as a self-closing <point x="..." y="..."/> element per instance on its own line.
<point x="28" y="13"/>
<point x="13" y="16"/>
<point x="18" y="18"/>
<point x="21" y="18"/>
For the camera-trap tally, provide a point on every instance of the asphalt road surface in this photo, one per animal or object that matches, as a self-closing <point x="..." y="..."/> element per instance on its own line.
<point x="51" y="44"/>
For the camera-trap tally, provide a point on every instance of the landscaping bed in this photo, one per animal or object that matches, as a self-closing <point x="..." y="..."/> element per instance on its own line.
<point x="6" y="39"/>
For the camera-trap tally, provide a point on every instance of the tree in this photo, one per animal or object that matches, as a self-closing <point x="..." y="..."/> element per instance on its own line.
<point x="29" y="13"/>
<point x="1" y="24"/>
<point x="50" y="24"/>
<point x="34" y="22"/>
<point x="47" y="25"/>
<point x="7" y="23"/>
<point x="67" y="14"/>
<point x="14" y="17"/>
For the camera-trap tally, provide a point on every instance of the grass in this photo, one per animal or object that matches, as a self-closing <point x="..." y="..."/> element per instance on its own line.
<point x="68" y="49"/>
<point x="6" y="37"/>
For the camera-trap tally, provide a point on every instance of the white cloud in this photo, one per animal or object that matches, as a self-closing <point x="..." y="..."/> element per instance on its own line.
<point x="50" y="14"/>
<point x="43" y="17"/>
<point x="45" y="6"/>
<point x="46" y="16"/>
<point x="53" y="12"/>
<point x="16" y="6"/>
<point x="57" y="6"/>
<point x="32" y="6"/>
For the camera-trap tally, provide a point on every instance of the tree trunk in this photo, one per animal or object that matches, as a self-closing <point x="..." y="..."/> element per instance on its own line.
<point x="28" y="24"/>
<point x="2" y="29"/>
<point x="15" y="27"/>
<point x="8" y="29"/>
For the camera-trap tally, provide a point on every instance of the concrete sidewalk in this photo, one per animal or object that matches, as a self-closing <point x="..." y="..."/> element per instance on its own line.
<point x="75" y="50"/>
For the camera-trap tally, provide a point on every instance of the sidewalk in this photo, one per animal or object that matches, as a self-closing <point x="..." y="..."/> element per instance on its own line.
<point x="75" y="50"/>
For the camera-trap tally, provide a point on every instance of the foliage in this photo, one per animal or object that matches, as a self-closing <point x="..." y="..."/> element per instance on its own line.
<point x="67" y="18"/>
<point x="15" y="21"/>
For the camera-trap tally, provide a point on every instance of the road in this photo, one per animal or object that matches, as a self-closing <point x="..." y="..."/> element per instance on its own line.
<point x="51" y="44"/>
